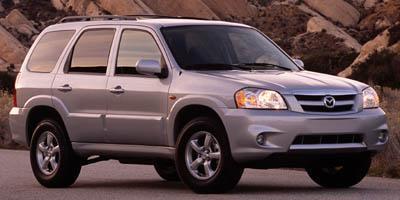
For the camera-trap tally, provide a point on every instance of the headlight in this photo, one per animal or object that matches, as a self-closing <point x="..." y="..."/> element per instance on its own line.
<point x="259" y="99"/>
<point x="370" y="98"/>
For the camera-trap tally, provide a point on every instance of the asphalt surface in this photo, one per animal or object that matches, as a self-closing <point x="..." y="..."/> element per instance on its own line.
<point x="111" y="180"/>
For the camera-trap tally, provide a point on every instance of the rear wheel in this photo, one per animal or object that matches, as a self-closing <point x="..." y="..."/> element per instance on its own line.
<point x="53" y="161"/>
<point x="167" y="170"/>
<point x="345" y="175"/>
<point x="203" y="157"/>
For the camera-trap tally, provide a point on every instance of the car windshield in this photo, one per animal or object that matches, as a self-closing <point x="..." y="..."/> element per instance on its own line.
<point x="224" y="48"/>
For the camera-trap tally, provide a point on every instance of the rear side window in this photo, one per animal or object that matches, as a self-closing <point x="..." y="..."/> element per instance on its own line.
<point x="91" y="52"/>
<point x="136" y="45"/>
<point x="48" y="51"/>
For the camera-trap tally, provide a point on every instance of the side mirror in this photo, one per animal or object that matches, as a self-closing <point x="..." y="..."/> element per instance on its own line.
<point x="150" y="67"/>
<point x="299" y="63"/>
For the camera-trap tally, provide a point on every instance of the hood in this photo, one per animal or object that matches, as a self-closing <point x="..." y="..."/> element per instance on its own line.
<point x="287" y="82"/>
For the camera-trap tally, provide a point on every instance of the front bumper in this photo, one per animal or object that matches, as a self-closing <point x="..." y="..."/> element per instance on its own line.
<point x="280" y="128"/>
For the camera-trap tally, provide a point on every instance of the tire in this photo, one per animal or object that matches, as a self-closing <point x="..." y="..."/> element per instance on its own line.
<point x="63" y="167"/>
<point x="167" y="170"/>
<point x="350" y="173"/>
<point x="223" y="174"/>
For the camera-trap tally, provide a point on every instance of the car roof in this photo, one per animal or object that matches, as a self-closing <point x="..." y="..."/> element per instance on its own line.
<point x="155" y="23"/>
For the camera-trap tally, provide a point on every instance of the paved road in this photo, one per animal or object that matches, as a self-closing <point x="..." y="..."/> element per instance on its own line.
<point x="111" y="180"/>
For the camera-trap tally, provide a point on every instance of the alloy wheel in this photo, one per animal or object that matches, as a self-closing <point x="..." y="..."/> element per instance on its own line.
<point x="203" y="155"/>
<point x="48" y="153"/>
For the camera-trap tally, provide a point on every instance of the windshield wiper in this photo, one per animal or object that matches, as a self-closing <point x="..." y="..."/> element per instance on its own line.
<point x="240" y="66"/>
<point x="217" y="66"/>
<point x="259" y="66"/>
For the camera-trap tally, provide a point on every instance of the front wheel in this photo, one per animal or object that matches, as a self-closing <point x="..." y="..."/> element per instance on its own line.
<point x="203" y="157"/>
<point x="53" y="161"/>
<point x="345" y="175"/>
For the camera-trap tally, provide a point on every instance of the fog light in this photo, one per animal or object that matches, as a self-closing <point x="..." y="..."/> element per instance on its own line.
<point x="382" y="137"/>
<point x="260" y="139"/>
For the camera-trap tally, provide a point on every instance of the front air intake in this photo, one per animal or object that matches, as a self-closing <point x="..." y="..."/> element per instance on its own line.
<point x="328" y="139"/>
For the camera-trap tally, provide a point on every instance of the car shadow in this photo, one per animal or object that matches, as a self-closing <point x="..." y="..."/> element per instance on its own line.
<point x="268" y="188"/>
<point x="131" y="184"/>
<point x="242" y="188"/>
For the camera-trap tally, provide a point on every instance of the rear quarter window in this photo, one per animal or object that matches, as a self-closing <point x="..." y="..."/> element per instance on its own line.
<point x="48" y="51"/>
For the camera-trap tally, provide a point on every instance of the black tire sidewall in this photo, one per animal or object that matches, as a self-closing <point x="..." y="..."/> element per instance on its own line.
<point x="228" y="171"/>
<point x="69" y="166"/>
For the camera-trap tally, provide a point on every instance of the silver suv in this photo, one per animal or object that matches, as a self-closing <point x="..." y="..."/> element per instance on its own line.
<point x="200" y="100"/>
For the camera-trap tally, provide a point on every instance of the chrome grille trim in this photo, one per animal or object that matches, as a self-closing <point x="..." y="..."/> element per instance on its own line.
<point x="314" y="103"/>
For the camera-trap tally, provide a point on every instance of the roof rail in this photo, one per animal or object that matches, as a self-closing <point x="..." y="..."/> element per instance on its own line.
<point x="121" y="17"/>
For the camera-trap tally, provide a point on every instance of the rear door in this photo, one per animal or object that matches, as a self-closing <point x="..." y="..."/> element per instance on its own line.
<point x="81" y="85"/>
<point x="136" y="114"/>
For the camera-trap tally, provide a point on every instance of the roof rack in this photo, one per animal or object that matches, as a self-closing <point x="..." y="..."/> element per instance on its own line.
<point x="121" y="17"/>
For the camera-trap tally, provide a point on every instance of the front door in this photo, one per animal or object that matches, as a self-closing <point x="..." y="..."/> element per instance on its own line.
<point x="137" y="104"/>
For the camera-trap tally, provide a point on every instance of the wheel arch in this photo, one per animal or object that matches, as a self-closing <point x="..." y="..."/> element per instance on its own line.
<point x="37" y="114"/>
<point x="189" y="107"/>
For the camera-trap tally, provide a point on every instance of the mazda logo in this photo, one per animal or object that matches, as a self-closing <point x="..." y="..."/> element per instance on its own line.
<point x="329" y="101"/>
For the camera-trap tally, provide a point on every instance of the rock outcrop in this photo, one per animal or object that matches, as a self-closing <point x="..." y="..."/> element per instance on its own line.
<point x="3" y="65"/>
<point x="336" y="10"/>
<point x="388" y="40"/>
<point x="238" y="8"/>
<point x="1" y="7"/>
<point x="194" y="8"/>
<point x="58" y="4"/>
<point x="11" y="50"/>
<point x="125" y="7"/>
<point x="273" y="21"/>
<point x="385" y="15"/>
<point x="16" y="20"/>
<point x="368" y="4"/>
<point x="318" y="24"/>
<point x="376" y="45"/>
<point x="15" y="17"/>
<point x="322" y="52"/>
<point x="81" y="7"/>
<point x="301" y="28"/>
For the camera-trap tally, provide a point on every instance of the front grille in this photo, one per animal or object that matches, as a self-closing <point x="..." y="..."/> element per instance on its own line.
<point x="343" y="108"/>
<point x="328" y="139"/>
<point x="315" y="103"/>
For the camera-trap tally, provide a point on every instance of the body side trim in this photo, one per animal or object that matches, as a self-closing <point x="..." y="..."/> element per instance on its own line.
<point x="123" y="150"/>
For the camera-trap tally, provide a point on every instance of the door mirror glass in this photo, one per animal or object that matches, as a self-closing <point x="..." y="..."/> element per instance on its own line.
<point x="148" y="67"/>
<point x="299" y="62"/>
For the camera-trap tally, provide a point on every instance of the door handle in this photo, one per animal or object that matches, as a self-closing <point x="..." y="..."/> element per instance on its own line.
<point x="117" y="90"/>
<point x="65" y="88"/>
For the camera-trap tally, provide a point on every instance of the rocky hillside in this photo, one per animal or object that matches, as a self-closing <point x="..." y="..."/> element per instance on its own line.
<point x="332" y="36"/>
<point x="359" y="39"/>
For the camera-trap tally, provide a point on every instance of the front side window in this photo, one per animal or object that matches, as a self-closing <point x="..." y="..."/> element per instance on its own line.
<point x="48" y="50"/>
<point x="205" y="47"/>
<point x="91" y="51"/>
<point x="136" y="45"/>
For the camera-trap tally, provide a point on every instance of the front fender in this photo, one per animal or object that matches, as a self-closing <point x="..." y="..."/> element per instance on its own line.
<point x="190" y="100"/>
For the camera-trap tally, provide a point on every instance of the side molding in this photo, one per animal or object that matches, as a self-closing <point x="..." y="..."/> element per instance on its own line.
<point x="123" y="150"/>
